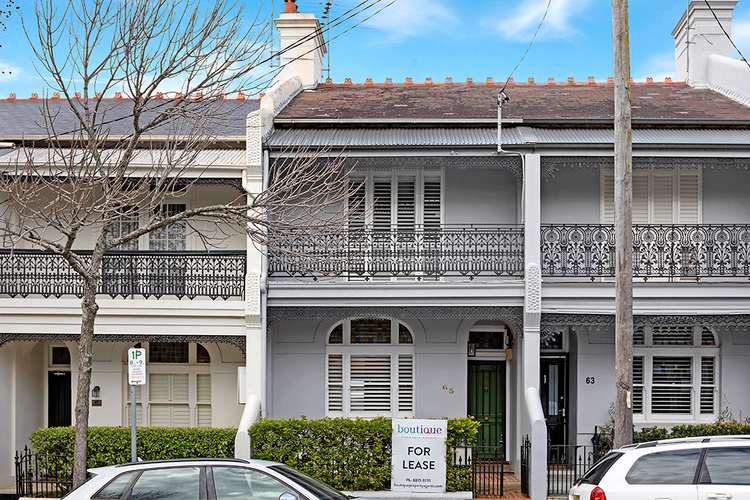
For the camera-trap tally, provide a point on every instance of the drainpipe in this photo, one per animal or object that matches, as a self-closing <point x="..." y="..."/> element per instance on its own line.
<point x="264" y="296"/>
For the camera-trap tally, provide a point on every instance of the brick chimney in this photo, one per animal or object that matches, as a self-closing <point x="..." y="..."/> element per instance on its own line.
<point x="698" y="37"/>
<point x="304" y="59"/>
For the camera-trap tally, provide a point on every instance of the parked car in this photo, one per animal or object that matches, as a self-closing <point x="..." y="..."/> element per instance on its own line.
<point x="703" y="468"/>
<point x="202" y="479"/>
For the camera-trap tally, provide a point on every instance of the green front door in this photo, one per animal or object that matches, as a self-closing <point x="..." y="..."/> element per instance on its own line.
<point x="487" y="403"/>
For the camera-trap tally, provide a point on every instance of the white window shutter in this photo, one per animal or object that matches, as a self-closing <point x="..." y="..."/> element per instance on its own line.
<point x="638" y="384"/>
<point x="335" y="383"/>
<point x="158" y="387"/>
<point x="432" y="209"/>
<point x="357" y="206"/>
<point x="708" y="383"/>
<point x="381" y="204"/>
<point x="662" y="209"/>
<point x="407" y="204"/>
<point x="370" y="383"/>
<point x="204" y="416"/>
<point x="672" y="385"/>
<point x="203" y="390"/>
<point x="640" y="198"/>
<point x="689" y="206"/>
<point x="608" y="197"/>
<point x="405" y="383"/>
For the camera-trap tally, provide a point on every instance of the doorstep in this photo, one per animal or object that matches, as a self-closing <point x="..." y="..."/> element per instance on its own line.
<point x="366" y="495"/>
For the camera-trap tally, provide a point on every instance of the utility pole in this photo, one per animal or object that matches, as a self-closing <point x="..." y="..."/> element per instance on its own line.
<point x="623" y="227"/>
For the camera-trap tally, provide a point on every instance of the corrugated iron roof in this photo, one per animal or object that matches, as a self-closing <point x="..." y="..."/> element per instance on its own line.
<point x="24" y="118"/>
<point x="481" y="137"/>
<point x="142" y="157"/>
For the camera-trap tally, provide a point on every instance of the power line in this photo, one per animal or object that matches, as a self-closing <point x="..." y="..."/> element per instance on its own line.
<point x="528" y="47"/>
<point x="742" y="56"/>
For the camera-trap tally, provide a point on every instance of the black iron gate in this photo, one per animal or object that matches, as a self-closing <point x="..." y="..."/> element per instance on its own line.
<point x="525" y="453"/>
<point x="565" y="464"/>
<point x="484" y="467"/>
<point x="42" y="475"/>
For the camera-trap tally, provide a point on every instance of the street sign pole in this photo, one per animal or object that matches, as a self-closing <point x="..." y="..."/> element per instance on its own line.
<point x="133" y="453"/>
<point x="136" y="376"/>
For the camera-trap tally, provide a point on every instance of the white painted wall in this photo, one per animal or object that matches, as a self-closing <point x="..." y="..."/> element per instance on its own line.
<point x="480" y="196"/>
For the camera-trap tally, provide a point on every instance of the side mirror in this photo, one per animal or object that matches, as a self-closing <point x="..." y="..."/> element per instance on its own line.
<point x="288" y="496"/>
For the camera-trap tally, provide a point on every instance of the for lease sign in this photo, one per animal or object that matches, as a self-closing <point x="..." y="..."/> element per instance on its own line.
<point x="418" y="460"/>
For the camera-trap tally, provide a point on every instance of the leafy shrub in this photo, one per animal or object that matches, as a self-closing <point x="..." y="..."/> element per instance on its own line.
<point x="347" y="454"/>
<point x="691" y="430"/>
<point x="111" y="445"/>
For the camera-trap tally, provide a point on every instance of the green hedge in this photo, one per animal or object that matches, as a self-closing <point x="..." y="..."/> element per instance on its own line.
<point x="353" y="455"/>
<point x="692" y="430"/>
<point x="111" y="445"/>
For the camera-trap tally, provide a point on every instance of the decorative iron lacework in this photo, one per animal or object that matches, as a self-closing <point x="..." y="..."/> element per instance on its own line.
<point x="601" y="320"/>
<point x="511" y="316"/>
<point x="513" y="164"/>
<point x="552" y="164"/>
<point x="420" y="253"/>
<point x="236" y="341"/>
<point x="659" y="251"/>
<point x="124" y="274"/>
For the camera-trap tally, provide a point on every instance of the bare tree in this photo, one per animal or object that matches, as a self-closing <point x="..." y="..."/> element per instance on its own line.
<point x="68" y="191"/>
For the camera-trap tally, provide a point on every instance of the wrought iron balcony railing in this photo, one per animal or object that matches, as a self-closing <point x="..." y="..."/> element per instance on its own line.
<point x="368" y="254"/>
<point x="659" y="251"/>
<point x="126" y="274"/>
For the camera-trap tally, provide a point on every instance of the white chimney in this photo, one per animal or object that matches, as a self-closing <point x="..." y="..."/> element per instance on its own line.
<point x="302" y="33"/>
<point x="698" y="36"/>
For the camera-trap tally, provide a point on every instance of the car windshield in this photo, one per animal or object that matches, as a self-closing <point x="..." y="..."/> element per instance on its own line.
<point x="596" y="473"/>
<point x="321" y="490"/>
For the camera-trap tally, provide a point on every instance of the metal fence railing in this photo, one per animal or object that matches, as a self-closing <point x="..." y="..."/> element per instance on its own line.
<point x="42" y="475"/>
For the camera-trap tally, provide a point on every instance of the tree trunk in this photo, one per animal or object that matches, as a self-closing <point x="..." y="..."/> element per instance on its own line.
<point x="89" y="309"/>
<point x="623" y="227"/>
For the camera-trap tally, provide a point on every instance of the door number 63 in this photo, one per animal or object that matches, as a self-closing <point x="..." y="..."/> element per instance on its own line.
<point x="590" y="380"/>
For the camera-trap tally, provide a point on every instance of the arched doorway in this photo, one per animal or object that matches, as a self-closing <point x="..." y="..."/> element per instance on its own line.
<point x="487" y="388"/>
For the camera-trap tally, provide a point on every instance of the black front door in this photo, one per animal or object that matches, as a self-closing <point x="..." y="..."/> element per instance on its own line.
<point x="58" y="408"/>
<point x="554" y="395"/>
<point x="487" y="404"/>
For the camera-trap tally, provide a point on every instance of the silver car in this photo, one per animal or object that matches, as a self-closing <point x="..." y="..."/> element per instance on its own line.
<point x="202" y="479"/>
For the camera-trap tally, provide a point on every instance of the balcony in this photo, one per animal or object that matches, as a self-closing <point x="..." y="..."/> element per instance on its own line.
<point x="659" y="251"/>
<point x="420" y="254"/>
<point x="127" y="274"/>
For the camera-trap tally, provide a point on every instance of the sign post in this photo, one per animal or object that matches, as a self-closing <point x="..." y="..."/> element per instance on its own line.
<point x="136" y="376"/>
<point x="418" y="459"/>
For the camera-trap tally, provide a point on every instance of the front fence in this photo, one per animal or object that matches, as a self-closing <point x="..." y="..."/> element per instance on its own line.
<point x="659" y="250"/>
<point x="42" y="475"/>
<point x="419" y="253"/>
<point x="146" y="274"/>
<point x="566" y="464"/>
<point x="485" y="465"/>
<point x="525" y="455"/>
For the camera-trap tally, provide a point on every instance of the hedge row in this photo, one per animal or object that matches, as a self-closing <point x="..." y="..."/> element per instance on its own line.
<point x="352" y="455"/>
<point x="111" y="445"/>
<point x="692" y="430"/>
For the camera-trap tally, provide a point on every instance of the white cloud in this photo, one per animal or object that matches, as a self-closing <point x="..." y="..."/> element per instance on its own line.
<point x="9" y="72"/>
<point x="408" y="18"/>
<point x="521" y="22"/>
<point x="659" y="66"/>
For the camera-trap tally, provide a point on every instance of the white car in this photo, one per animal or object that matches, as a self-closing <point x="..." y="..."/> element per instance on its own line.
<point x="707" y="468"/>
<point x="202" y="479"/>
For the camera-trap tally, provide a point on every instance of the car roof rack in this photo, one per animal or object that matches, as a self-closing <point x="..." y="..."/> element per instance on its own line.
<point x="183" y="460"/>
<point x="697" y="439"/>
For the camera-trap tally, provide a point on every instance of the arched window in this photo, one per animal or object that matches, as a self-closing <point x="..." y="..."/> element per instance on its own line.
<point x="370" y="369"/>
<point x="675" y="373"/>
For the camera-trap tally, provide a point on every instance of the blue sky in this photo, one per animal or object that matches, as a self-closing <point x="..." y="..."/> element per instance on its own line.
<point x="460" y="38"/>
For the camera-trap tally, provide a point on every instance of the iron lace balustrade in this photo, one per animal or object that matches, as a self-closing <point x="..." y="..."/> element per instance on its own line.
<point x="419" y="253"/>
<point x="659" y="251"/>
<point x="219" y="274"/>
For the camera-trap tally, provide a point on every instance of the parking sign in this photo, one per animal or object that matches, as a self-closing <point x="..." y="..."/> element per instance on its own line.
<point x="136" y="366"/>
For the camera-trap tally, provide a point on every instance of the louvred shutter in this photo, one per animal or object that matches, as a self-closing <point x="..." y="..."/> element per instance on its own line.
<point x="662" y="210"/>
<point x="405" y="383"/>
<point x="370" y="383"/>
<point x="672" y="385"/>
<point x="708" y="384"/>
<point x="407" y="204"/>
<point x="432" y="204"/>
<point x="608" y="197"/>
<point x="640" y="198"/>
<point x="689" y="196"/>
<point x="638" y="384"/>
<point x="335" y="374"/>
<point x="382" y="198"/>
